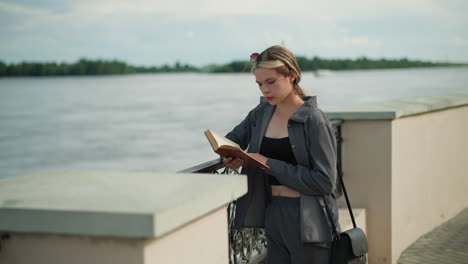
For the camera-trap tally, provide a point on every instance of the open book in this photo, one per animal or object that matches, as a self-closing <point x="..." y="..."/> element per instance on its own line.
<point x="230" y="149"/>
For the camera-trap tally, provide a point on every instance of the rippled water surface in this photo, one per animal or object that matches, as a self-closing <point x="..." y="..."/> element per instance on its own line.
<point x="155" y="122"/>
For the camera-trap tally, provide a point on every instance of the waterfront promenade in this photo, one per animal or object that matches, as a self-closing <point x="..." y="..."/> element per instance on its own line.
<point x="447" y="244"/>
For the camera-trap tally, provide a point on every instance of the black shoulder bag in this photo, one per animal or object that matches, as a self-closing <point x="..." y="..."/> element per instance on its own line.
<point x="348" y="247"/>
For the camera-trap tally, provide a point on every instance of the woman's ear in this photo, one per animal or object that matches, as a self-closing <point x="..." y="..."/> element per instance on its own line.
<point x="292" y="76"/>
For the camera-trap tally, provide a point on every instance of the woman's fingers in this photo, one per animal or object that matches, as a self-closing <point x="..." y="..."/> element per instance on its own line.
<point x="228" y="162"/>
<point x="232" y="163"/>
<point x="237" y="163"/>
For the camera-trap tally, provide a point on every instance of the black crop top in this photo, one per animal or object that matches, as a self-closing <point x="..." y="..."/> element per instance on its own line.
<point x="277" y="148"/>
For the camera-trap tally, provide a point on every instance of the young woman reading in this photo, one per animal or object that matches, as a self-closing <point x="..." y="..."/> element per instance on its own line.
<point x="289" y="133"/>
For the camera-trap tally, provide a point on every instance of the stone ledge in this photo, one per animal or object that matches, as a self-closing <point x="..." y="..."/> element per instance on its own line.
<point x="394" y="109"/>
<point x="359" y="217"/>
<point x="123" y="204"/>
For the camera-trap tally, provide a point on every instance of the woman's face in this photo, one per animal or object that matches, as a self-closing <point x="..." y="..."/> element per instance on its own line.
<point x="273" y="85"/>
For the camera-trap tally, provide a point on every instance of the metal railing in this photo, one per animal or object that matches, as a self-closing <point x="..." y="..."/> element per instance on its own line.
<point x="248" y="245"/>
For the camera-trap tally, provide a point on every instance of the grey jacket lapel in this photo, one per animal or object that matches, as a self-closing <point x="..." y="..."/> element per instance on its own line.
<point x="262" y="126"/>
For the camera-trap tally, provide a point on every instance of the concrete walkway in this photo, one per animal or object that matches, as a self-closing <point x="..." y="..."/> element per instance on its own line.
<point x="446" y="244"/>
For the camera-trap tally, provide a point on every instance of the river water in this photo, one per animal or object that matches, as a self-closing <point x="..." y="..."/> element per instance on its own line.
<point x="155" y="122"/>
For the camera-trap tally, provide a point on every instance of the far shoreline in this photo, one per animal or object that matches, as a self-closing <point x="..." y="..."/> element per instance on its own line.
<point x="85" y="67"/>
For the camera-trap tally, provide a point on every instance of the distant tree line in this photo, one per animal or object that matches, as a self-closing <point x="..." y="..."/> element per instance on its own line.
<point x="177" y="67"/>
<point x="317" y="63"/>
<point x="364" y="63"/>
<point x="103" y="67"/>
<point x="235" y="66"/>
<point x="84" y="67"/>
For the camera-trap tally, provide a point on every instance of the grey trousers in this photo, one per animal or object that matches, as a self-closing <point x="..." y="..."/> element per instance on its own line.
<point x="283" y="231"/>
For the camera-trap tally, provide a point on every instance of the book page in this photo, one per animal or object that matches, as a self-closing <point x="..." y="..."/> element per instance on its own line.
<point x="229" y="149"/>
<point x="222" y="140"/>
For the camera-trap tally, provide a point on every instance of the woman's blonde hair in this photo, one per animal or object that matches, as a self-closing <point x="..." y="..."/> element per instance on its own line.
<point x="282" y="61"/>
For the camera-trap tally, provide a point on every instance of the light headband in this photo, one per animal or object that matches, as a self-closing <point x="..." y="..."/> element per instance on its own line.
<point x="271" y="64"/>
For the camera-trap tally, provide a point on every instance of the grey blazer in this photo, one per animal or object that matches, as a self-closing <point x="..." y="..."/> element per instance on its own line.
<point x="314" y="147"/>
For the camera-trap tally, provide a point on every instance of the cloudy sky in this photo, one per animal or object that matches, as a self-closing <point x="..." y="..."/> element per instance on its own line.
<point x="199" y="32"/>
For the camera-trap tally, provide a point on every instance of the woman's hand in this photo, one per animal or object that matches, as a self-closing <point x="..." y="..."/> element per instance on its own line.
<point x="233" y="163"/>
<point x="259" y="157"/>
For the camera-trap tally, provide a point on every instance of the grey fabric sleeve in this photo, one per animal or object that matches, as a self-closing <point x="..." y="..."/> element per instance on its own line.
<point x="242" y="132"/>
<point x="320" y="178"/>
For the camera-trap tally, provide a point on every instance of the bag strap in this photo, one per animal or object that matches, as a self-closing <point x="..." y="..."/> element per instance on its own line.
<point x="347" y="203"/>
<point x="340" y="175"/>
<point x="343" y="186"/>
